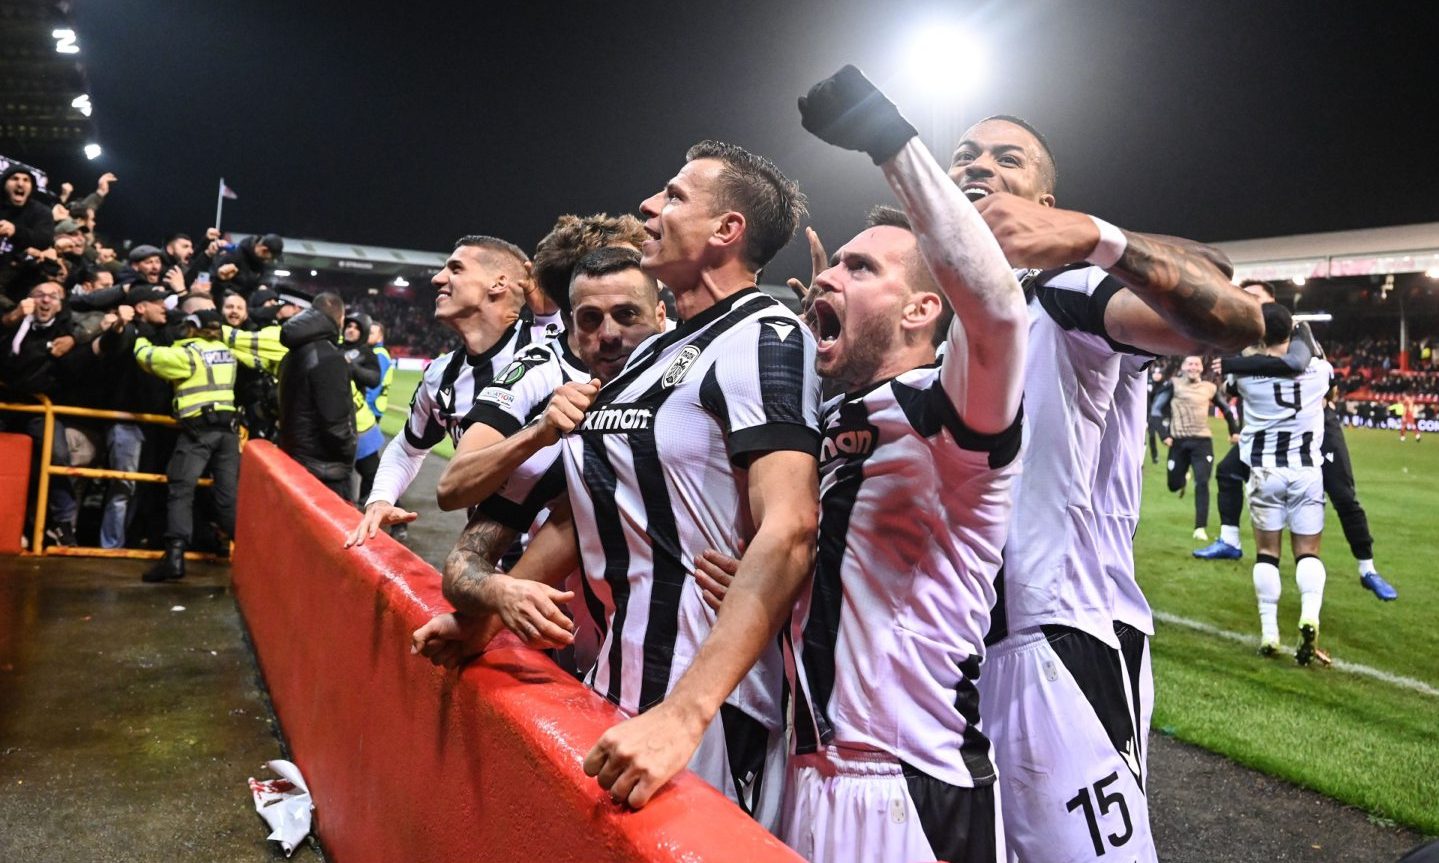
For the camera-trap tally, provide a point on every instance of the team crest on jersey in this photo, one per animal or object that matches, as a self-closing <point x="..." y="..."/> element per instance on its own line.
<point x="680" y="367"/>
<point x="619" y="418"/>
<point x="522" y="363"/>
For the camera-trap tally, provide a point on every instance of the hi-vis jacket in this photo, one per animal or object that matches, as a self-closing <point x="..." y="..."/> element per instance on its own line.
<point x="262" y="350"/>
<point x="202" y="370"/>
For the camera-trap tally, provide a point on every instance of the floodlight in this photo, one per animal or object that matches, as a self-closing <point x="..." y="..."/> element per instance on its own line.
<point x="81" y="103"/>
<point x="314" y="272"/>
<point x="401" y="282"/>
<point x="92" y="151"/>
<point x="282" y="273"/>
<point x="947" y="58"/>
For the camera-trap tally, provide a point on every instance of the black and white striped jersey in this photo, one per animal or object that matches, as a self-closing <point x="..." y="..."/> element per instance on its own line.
<point x="446" y="392"/>
<point x="657" y="474"/>
<point x="914" y="507"/>
<point x="1118" y="487"/>
<point x="1284" y="417"/>
<point x="516" y="396"/>
<point x="1053" y="562"/>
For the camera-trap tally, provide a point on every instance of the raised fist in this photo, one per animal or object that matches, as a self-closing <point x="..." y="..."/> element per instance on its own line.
<point x="846" y="110"/>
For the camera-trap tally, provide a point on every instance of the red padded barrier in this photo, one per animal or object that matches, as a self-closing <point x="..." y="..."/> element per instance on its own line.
<point x="410" y="762"/>
<point x="14" y="490"/>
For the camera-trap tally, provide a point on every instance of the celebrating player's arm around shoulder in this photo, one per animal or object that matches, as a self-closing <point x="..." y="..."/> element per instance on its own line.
<point x="1177" y="299"/>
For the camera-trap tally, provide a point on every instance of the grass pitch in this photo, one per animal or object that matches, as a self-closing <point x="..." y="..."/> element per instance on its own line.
<point x="401" y="388"/>
<point x="1358" y="739"/>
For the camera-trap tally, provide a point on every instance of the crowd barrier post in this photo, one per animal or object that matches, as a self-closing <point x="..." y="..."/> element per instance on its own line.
<point x="49" y="411"/>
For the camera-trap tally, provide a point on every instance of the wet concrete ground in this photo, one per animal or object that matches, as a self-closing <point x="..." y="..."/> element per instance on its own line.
<point x="128" y="727"/>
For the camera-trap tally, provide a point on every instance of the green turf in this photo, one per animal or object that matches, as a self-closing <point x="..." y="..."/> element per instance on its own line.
<point x="1365" y="742"/>
<point x="401" y="389"/>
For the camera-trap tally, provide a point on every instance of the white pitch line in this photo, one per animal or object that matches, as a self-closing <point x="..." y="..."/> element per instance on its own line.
<point x="1349" y="667"/>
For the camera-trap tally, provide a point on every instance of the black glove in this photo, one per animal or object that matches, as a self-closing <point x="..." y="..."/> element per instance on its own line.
<point x="846" y="110"/>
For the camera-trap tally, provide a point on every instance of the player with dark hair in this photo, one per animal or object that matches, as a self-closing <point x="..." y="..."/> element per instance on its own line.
<point x="917" y="458"/>
<point x="1066" y="670"/>
<point x="1283" y="426"/>
<point x="1338" y="470"/>
<point x="507" y="465"/>
<point x="479" y="293"/>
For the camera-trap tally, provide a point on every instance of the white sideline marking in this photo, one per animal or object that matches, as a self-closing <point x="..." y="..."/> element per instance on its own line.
<point x="1350" y="667"/>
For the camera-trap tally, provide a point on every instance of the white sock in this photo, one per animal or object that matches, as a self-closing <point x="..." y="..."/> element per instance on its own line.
<point x="1309" y="573"/>
<point x="1367" y="566"/>
<point x="1267" y="588"/>
<point x="1229" y="534"/>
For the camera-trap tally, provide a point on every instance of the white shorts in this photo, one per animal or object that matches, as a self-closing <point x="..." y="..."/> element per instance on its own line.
<point x="851" y="805"/>
<point x="745" y="762"/>
<point x="1291" y="497"/>
<point x="1056" y="705"/>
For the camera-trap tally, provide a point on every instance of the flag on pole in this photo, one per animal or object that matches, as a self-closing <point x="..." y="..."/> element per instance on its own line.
<point x="227" y="192"/>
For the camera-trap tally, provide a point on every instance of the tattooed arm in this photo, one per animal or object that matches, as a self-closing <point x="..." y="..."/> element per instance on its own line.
<point x="1177" y="302"/>
<point x="487" y="599"/>
<point x="472" y="560"/>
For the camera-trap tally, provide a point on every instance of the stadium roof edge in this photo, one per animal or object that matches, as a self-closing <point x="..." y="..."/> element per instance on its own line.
<point x="364" y="258"/>
<point x="1363" y="252"/>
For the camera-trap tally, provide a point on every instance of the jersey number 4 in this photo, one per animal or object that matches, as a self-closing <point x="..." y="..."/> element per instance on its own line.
<point x="1105" y="801"/>
<point x="1294" y="403"/>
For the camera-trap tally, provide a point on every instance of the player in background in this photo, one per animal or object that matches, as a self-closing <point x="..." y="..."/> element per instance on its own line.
<point x="1283" y="426"/>
<point x="1408" y="418"/>
<point x="1338" y="470"/>
<point x="1188" y="399"/>
<point x="479" y="293"/>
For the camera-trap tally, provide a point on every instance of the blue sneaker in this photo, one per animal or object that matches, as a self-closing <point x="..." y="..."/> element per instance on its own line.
<point x="1375" y="582"/>
<point x="1219" y="550"/>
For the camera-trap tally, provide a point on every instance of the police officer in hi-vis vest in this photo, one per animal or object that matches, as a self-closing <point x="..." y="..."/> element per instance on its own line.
<point x="202" y="370"/>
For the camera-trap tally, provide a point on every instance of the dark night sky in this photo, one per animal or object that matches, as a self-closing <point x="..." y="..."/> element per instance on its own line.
<point x="419" y="123"/>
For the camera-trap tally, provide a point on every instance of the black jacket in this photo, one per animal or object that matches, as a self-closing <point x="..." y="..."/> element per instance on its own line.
<point x="33" y="221"/>
<point x="34" y="228"/>
<point x="115" y="380"/>
<point x="250" y="270"/>
<point x="317" y="412"/>
<point x="364" y="365"/>
<point x="31" y="369"/>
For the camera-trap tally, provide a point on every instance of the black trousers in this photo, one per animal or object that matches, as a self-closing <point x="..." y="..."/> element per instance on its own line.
<point x="202" y="446"/>
<point x="366" y="468"/>
<point x="1196" y="453"/>
<point x="1338" y="487"/>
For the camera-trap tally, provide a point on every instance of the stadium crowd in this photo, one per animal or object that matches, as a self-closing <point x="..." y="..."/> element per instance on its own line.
<point x="792" y="596"/>
<point x="186" y="329"/>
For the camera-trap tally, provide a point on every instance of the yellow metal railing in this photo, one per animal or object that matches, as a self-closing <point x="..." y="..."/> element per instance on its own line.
<point x="42" y="495"/>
